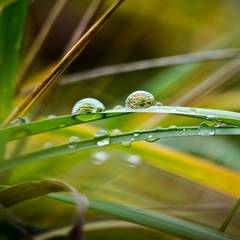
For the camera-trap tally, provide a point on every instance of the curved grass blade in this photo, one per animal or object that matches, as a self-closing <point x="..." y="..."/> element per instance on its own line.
<point x="160" y="222"/>
<point x="24" y="191"/>
<point x="114" y="139"/>
<point x="61" y="66"/>
<point x="212" y="115"/>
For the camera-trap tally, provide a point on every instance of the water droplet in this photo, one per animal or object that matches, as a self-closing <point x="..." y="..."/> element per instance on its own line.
<point x="159" y="104"/>
<point x="102" y="136"/>
<point x="116" y="132"/>
<point x="210" y="120"/>
<point x="193" y="110"/>
<point x="73" y="142"/>
<point x="140" y="100"/>
<point x="21" y="133"/>
<point x="51" y="116"/>
<point x="100" y="157"/>
<point x="62" y="125"/>
<point x="127" y="144"/>
<point x="47" y="145"/>
<point x="119" y="107"/>
<point x="206" y="130"/>
<point x="19" y="121"/>
<point x="151" y="138"/>
<point x="88" y="105"/>
<point x="133" y="160"/>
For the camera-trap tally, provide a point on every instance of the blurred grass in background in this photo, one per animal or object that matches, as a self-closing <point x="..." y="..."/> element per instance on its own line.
<point x="138" y="31"/>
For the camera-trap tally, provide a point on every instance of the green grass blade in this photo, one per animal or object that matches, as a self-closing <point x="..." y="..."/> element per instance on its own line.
<point x="12" y="26"/>
<point x="116" y="139"/>
<point x="230" y="216"/>
<point x="16" y="132"/>
<point x="4" y="3"/>
<point x="163" y="223"/>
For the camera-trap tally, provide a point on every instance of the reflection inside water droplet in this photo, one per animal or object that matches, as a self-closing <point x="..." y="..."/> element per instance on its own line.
<point x="19" y="121"/>
<point x="140" y="100"/>
<point x="73" y="142"/>
<point x="102" y="137"/>
<point x="133" y="160"/>
<point x="100" y="157"/>
<point x="206" y="130"/>
<point x="88" y="105"/>
<point x="210" y="120"/>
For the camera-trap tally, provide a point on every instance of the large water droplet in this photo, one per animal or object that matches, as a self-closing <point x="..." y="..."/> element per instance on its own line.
<point x="102" y="137"/>
<point x="127" y="144"/>
<point x="100" y="157"/>
<point x="205" y="130"/>
<point x="133" y="160"/>
<point x="140" y="100"/>
<point x="88" y="105"/>
<point x="73" y="142"/>
<point x="19" y="121"/>
<point x="210" y="120"/>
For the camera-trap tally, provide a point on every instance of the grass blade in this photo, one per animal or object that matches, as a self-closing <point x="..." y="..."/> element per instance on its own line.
<point x="12" y="26"/>
<point x="163" y="223"/>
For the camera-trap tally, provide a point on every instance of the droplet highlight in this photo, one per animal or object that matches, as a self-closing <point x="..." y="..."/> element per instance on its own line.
<point x="88" y="105"/>
<point x="140" y="100"/>
<point x="102" y="137"/>
<point x="206" y="130"/>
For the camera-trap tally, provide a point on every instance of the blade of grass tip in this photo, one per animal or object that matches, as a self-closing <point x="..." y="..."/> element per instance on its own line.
<point x="151" y="63"/>
<point x="48" y="23"/>
<point x="61" y="66"/>
<point x="84" y="23"/>
<point x="230" y="216"/>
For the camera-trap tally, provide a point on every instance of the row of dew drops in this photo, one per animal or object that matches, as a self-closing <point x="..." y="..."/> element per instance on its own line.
<point x="136" y="100"/>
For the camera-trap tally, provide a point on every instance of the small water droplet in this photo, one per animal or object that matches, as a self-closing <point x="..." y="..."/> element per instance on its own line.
<point x="100" y="157"/>
<point x="102" y="136"/>
<point x="193" y="110"/>
<point x="140" y="100"/>
<point x="119" y="107"/>
<point x="151" y="138"/>
<point x="116" y="132"/>
<point x="133" y="160"/>
<point x="127" y="144"/>
<point x="73" y="142"/>
<point x="159" y="104"/>
<point x="51" y="116"/>
<point x="47" y="145"/>
<point x="62" y="125"/>
<point x="88" y="105"/>
<point x="210" y="120"/>
<point x="206" y="130"/>
<point x="19" y="121"/>
<point x="21" y="133"/>
<point x="136" y="134"/>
